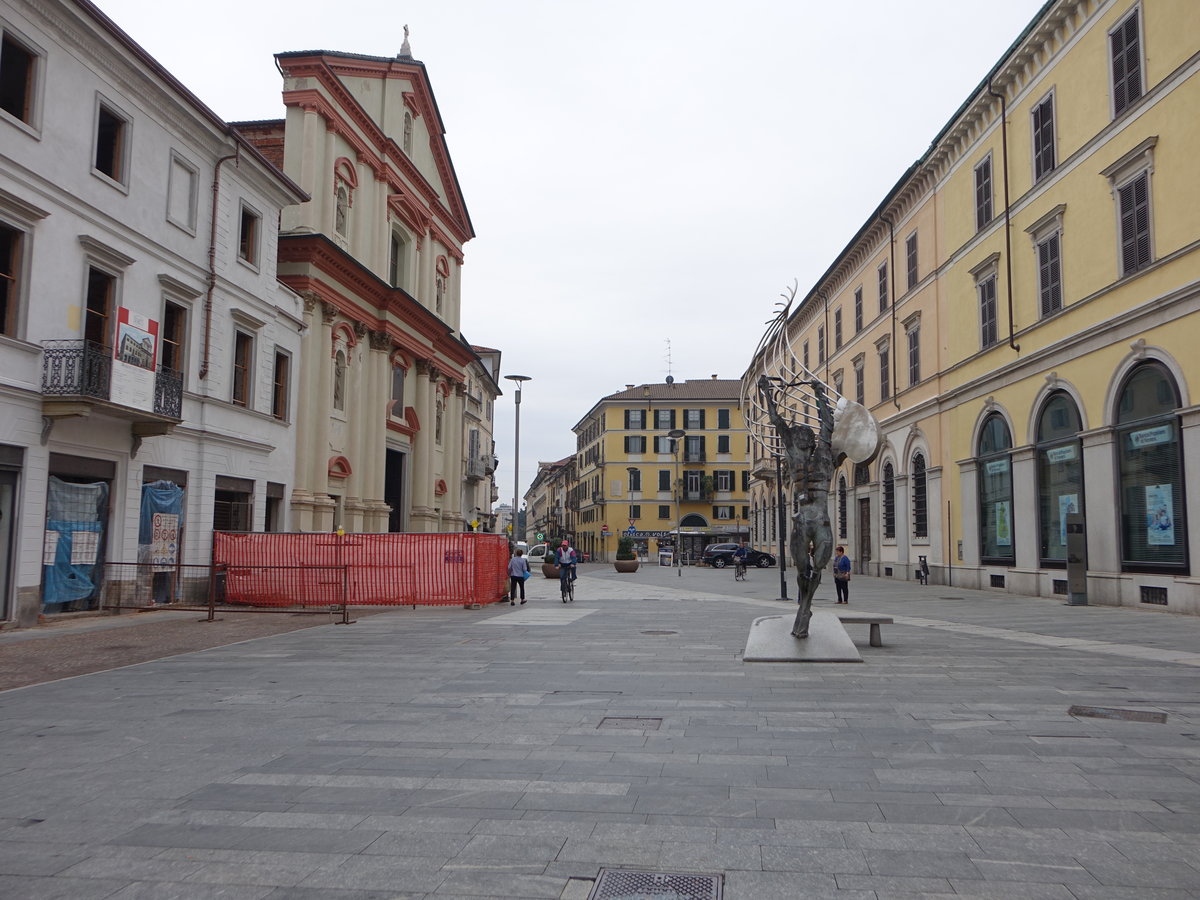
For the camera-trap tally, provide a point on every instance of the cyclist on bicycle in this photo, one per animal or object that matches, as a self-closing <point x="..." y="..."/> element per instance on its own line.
<point x="565" y="558"/>
<point x="739" y="561"/>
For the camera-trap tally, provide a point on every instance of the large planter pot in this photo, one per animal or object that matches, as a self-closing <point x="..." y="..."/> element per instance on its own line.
<point x="550" y="570"/>
<point x="626" y="565"/>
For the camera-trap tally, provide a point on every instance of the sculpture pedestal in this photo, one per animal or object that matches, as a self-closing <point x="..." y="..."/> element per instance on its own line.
<point x="771" y="640"/>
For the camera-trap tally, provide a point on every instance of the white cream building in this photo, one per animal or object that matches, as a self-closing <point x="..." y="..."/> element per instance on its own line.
<point x="144" y="337"/>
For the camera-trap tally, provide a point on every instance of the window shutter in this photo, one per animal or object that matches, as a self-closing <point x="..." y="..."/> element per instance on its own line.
<point x="701" y="418"/>
<point x="722" y="418"/>
<point x="626" y="420"/>
<point x="672" y="420"/>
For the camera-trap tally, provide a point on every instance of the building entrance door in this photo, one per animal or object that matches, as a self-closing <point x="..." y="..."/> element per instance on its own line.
<point x="864" y="535"/>
<point x="8" y="509"/>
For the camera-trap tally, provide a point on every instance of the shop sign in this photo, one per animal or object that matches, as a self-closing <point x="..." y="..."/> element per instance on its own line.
<point x="1061" y="454"/>
<point x="1148" y="437"/>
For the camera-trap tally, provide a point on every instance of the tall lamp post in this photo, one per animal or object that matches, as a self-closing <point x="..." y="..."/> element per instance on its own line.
<point x="518" y="531"/>
<point x="677" y="435"/>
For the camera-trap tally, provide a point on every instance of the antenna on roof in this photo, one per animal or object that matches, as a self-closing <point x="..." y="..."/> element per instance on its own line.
<point x="669" y="378"/>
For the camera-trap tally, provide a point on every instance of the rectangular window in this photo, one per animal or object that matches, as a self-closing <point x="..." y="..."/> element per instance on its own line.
<point x="722" y="418"/>
<point x="1126" y="46"/>
<point x="693" y="418"/>
<point x="664" y="420"/>
<point x="97" y="323"/>
<point x="910" y="258"/>
<point x="11" y="242"/>
<point x="983" y="194"/>
<point x="885" y="375"/>
<point x="664" y="511"/>
<point x="1049" y="275"/>
<point x="664" y="479"/>
<point x="883" y="288"/>
<point x="1134" y="199"/>
<point x="722" y="443"/>
<point x="693" y="449"/>
<point x="837" y="329"/>
<point x="820" y="344"/>
<point x="397" y="405"/>
<point x="111" y="138"/>
<point x="987" y="312"/>
<point x="858" y="310"/>
<point x="860" y="390"/>
<point x="806" y="354"/>
<point x="722" y="512"/>
<point x="635" y="511"/>
<point x="174" y="336"/>
<point x="635" y="479"/>
<point x="635" y="443"/>
<point x="662" y="444"/>
<point x="17" y="67"/>
<point x="395" y="260"/>
<point x="914" y="355"/>
<point x="1043" y="139"/>
<point x="723" y="479"/>
<point x="635" y="419"/>
<point x="280" y="384"/>
<point x="182" y="187"/>
<point x="243" y="367"/>
<point x="248" y="235"/>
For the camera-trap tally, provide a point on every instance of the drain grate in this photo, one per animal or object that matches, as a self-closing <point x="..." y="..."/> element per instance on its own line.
<point x="629" y="722"/>
<point x="660" y="632"/>
<point x="624" y="884"/>
<point x="1126" y="715"/>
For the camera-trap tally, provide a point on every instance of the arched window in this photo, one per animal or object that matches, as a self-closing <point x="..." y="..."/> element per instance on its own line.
<point x="889" y="501"/>
<point x="920" y="497"/>
<point x="693" y="520"/>
<point x="1150" y="447"/>
<point x="439" y="294"/>
<point x="341" y="212"/>
<point x="339" y="380"/>
<point x="408" y="128"/>
<point x="841" y="501"/>
<point x="1060" y="474"/>
<point x="995" y="491"/>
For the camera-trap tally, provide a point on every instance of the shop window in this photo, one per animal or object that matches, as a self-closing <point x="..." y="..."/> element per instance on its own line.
<point x="995" y="491"/>
<point x="1060" y="475"/>
<point x="1150" y="449"/>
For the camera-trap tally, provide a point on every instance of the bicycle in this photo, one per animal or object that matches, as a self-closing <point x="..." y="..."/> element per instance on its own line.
<point x="566" y="579"/>
<point x="739" y="570"/>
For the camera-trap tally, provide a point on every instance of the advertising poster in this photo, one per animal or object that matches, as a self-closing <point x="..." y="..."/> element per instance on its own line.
<point x="1160" y="516"/>
<point x="1003" y="523"/>
<point x="1067" y="504"/>
<point x="134" y="353"/>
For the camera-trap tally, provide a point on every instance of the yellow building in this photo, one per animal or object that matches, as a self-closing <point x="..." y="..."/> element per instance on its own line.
<point x="657" y="459"/>
<point x="1020" y="313"/>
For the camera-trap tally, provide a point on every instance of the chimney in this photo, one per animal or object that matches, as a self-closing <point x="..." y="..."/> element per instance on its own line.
<point x="629" y="387"/>
<point x="714" y="378"/>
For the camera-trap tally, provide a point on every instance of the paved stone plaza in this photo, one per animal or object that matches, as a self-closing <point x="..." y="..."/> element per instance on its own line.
<point x="514" y="752"/>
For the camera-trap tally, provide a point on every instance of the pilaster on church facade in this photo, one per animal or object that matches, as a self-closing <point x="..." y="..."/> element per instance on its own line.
<point x="376" y="253"/>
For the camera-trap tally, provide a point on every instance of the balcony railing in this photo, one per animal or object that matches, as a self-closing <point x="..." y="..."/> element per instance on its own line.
<point x="78" y="368"/>
<point x="477" y="468"/>
<point x="694" y="456"/>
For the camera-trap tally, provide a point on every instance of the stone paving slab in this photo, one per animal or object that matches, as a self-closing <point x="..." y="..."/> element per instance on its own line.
<point x="443" y="753"/>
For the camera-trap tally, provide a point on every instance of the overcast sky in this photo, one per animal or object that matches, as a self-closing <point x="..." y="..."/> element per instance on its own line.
<point x="637" y="173"/>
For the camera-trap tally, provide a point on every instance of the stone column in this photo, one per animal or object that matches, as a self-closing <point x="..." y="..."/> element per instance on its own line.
<point x="903" y="527"/>
<point x="1024" y="576"/>
<point x="1101" y="504"/>
<point x="321" y="400"/>
<point x="308" y="157"/>
<point x="968" y="505"/>
<point x="380" y="392"/>
<point x="422" y="516"/>
<point x="307" y="373"/>
<point x="358" y="407"/>
<point x="1190" y="437"/>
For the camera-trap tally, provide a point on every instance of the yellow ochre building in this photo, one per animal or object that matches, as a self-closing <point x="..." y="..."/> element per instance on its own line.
<point x="1021" y="315"/>
<point x="657" y="459"/>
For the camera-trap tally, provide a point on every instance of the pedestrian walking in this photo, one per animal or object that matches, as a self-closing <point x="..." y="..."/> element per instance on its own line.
<point x="518" y="571"/>
<point x="841" y="574"/>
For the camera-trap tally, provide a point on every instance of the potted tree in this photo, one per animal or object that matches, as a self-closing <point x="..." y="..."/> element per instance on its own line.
<point x="626" y="560"/>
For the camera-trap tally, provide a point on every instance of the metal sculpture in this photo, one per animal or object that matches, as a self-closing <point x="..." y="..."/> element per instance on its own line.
<point x="811" y="429"/>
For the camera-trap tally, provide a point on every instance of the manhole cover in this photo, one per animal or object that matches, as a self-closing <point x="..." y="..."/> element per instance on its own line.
<point x="660" y="632"/>
<point x="629" y="722"/>
<point x="949" y="598"/>
<point x="1125" y="715"/>
<point x="621" y="884"/>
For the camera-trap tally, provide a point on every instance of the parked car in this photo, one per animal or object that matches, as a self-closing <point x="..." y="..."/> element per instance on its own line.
<point x="537" y="555"/>
<point x="721" y="555"/>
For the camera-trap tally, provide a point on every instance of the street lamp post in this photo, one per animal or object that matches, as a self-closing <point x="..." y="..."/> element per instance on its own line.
<point x="518" y="531"/>
<point x="677" y="435"/>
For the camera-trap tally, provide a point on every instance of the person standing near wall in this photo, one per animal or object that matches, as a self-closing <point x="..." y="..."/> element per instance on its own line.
<point x="841" y="574"/>
<point x="518" y="571"/>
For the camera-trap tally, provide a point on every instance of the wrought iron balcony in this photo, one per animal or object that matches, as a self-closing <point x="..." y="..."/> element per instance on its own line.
<point x="83" y="370"/>
<point x="476" y="468"/>
<point x="694" y="456"/>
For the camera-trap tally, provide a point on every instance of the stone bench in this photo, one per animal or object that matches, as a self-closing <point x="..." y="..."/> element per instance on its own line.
<point x="873" y="621"/>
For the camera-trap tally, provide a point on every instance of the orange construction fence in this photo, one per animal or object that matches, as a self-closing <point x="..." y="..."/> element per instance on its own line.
<point x="361" y="569"/>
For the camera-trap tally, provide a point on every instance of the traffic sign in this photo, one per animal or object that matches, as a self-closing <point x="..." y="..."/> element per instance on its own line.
<point x="630" y="530"/>
<point x="604" y="529"/>
<point x="540" y="536"/>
